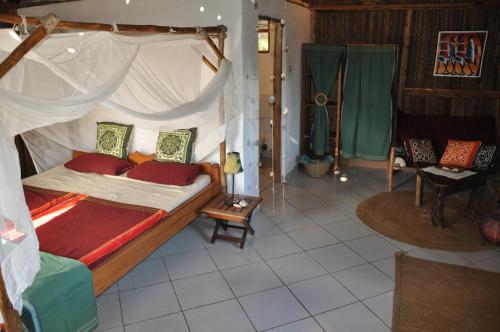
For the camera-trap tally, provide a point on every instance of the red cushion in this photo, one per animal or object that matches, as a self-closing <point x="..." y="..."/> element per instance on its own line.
<point x="99" y="163"/>
<point x="165" y="173"/>
<point x="459" y="153"/>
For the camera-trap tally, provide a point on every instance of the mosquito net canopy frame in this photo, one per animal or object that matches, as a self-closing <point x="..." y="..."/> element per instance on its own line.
<point x="54" y="87"/>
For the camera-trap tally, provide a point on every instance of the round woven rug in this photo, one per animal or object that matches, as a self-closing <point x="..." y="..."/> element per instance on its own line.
<point x="394" y="215"/>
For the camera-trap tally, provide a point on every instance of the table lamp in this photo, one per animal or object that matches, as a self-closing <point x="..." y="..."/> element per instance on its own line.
<point x="232" y="166"/>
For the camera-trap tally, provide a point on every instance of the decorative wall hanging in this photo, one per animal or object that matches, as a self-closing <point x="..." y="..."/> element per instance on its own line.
<point x="460" y="53"/>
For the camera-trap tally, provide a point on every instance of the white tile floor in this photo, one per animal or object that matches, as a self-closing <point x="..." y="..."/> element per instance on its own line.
<point x="312" y="266"/>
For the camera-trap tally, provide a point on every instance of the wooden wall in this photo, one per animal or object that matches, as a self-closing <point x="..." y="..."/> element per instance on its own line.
<point x="442" y="95"/>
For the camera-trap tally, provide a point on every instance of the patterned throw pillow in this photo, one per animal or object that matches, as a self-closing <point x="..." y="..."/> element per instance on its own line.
<point x="112" y="138"/>
<point x="459" y="153"/>
<point x="421" y="150"/>
<point x="176" y="146"/>
<point x="484" y="157"/>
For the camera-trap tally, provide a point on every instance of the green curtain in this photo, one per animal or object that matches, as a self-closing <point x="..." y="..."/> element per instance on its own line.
<point x="367" y="102"/>
<point x="323" y="62"/>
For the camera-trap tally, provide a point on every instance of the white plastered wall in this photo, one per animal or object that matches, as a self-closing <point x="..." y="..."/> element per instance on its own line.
<point x="240" y="17"/>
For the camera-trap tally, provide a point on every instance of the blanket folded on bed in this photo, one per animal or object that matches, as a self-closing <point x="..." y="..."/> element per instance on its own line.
<point x="61" y="298"/>
<point x="90" y="229"/>
<point x="40" y="200"/>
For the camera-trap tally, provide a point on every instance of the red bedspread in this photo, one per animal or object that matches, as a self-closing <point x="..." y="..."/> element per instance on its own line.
<point x="40" y="200"/>
<point x="89" y="229"/>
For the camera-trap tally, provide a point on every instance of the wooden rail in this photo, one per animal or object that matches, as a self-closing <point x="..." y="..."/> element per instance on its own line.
<point x="401" y="6"/>
<point x="494" y="94"/>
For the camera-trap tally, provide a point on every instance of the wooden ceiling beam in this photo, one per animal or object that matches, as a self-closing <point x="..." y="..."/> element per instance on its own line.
<point x="299" y="3"/>
<point x="403" y="6"/>
<point x="68" y="25"/>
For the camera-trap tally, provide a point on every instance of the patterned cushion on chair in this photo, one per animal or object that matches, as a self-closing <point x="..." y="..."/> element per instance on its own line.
<point x="420" y="150"/>
<point x="112" y="138"/>
<point x="484" y="157"/>
<point x="459" y="153"/>
<point x="176" y="146"/>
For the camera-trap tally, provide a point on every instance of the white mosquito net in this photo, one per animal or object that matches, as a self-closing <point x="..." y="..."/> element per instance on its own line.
<point x="55" y="95"/>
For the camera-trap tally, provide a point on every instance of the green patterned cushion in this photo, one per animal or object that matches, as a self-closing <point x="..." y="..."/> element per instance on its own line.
<point x="176" y="146"/>
<point x="112" y="138"/>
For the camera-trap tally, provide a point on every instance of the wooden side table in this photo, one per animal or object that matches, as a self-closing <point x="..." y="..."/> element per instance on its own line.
<point x="223" y="214"/>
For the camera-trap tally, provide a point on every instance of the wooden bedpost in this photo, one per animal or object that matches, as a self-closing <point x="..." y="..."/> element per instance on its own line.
<point x="390" y="171"/>
<point x="12" y="321"/>
<point x="336" y="166"/>
<point x="221" y="37"/>
<point x="48" y="24"/>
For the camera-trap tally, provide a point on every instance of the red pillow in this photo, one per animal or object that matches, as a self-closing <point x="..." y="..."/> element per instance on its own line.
<point x="99" y="163"/>
<point x="459" y="153"/>
<point x="165" y="173"/>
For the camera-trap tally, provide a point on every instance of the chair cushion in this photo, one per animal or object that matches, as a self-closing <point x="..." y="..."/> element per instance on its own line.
<point x="421" y="151"/>
<point x="484" y="158"/>
<point x="459" y="153"/>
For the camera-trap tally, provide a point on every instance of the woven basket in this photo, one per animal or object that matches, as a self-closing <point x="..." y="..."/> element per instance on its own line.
<point x="318" y="169"/>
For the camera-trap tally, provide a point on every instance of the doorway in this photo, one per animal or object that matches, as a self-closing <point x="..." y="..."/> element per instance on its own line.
<point x="269" y="35"/>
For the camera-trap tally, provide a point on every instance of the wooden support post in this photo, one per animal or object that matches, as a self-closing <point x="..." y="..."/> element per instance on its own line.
<point x="209" y="64"/>
<point x="277" y="114"/>
<point x="404" y="58"/>
<point x="11" y="318"/>
<point x="221" y="37"/>
<point x="216" y="49"/>
<point x="390" y="172"/>
<point x="68" y="25"/>
<point x="419" y="191"/>
<point x="339" y="118"/>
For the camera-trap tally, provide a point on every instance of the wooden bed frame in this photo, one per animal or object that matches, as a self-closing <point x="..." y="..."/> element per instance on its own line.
<point x="108" y="272"/>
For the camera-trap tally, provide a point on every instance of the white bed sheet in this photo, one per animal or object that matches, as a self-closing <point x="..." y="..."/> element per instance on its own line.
<point x="117" y="188"/>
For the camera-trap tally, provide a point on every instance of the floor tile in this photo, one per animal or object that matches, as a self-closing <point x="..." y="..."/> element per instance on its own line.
<point x="174" y="322"/>
<point x="388" y="266"/>
<point x="348" y="208"/>
<point x="276" y="206"/>
<point x="336" y="257"/>
<point x="439" y="256"/>
<point x="381" y="305"/>
<point x="224" y="316"/>
<point x="251" y="279"/>
<point x="293" y="221"/>
<point x="149" y="272"/>
<point x="490" y="264"/>
<point x="304" y="325"/>
<point x="306" y="203"/>
<point x="263" y="226"/>
<point x="115" y="329"/>
<point x="275" y="246"/>
<point x="184" y="241"/>
<point x="365" y="281"/>
<point x="326" y="215"/>
<point x="348" y="230"/>
<point x="352" y="318"/>
<point x="200" y="290"/>
<point x="148" y="302"/>
<point x="108" y="311"/>
<point x="475" y="256"/>
<point x="401" y="245"/>
<point x="189" y="264"/>
<point x="272" y="308"/>
<point x="228" y="255"/>
<point x="296" y="267"/>
<point x="321" y="294"/>
<point x="373" y="248"/>
<point x="312" y="238"/>
<point x="111" y="290"/>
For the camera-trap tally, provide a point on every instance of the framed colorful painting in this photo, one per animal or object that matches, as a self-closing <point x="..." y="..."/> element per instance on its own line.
<point x="460" y="53"/>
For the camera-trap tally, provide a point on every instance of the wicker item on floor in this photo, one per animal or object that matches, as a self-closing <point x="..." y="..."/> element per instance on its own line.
<point x="318" y="169"/>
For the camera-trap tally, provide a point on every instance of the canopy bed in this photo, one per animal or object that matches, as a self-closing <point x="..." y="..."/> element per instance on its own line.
<point x="101" y="72"/>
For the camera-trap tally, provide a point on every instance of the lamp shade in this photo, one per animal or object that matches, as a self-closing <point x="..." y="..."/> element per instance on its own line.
<point x="233" y="163"/>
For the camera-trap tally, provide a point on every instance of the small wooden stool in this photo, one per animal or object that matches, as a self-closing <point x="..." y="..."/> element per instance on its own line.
<point x="223" y="214"/>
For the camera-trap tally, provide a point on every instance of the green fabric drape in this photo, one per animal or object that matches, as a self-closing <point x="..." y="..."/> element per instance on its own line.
<point x="367" y="103"/>
<point x="323" y="62"/>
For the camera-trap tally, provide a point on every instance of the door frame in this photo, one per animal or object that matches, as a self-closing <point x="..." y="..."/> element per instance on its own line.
<point x="277" y="93"/>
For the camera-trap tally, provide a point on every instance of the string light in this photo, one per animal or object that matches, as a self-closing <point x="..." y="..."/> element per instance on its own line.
<point x="202" y="9"/>
<point x="219" y="17"/>
<point x="81" y="33"/>
<point x="71" y="50"/>
<point x="127" y="2"/>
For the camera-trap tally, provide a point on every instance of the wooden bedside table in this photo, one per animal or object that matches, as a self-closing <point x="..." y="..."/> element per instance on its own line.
<point x="223" y="214"/>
